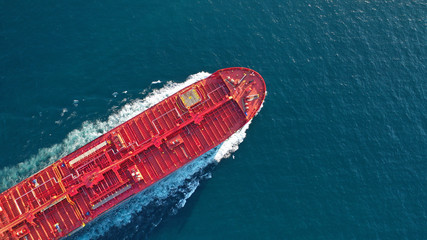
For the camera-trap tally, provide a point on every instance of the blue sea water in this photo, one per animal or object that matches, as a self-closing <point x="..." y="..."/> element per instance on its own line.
<point x="338" y="151"/>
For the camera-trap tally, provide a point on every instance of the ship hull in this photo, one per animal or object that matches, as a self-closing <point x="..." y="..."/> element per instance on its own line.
<point x="130" y="158"/>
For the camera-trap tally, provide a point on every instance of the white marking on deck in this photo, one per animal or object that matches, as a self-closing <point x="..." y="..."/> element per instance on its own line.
<point x="109" y="198"/>
<point x="32" y="190"/>
<point x="87" y="153"/>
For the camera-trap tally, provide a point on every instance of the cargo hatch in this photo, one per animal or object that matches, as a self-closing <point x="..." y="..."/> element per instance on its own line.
<point x="190" y="98"/>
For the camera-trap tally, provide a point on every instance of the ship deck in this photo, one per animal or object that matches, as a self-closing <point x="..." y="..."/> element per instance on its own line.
<point x="66" y="195"/>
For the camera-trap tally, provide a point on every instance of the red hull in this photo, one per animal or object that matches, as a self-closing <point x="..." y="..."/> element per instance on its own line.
<point x="74" y="190"/>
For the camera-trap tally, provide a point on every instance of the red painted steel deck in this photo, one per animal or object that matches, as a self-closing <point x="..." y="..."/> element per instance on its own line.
<point x="66" y="195"/>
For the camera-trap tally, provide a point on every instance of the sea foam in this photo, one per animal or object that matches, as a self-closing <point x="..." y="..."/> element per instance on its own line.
<point x="178" y="186"/>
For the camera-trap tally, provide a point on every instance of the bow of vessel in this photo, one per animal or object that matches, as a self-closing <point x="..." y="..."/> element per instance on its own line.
<point x="65" y="196"/>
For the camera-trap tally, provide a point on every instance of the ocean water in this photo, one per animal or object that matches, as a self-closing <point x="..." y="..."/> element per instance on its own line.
<point x="338" y="151"/>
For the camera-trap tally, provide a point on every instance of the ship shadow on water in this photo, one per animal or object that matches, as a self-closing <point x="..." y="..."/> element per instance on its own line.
<point x="154" y="216"/>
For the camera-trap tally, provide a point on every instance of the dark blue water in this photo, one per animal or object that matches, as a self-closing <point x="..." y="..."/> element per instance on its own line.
<point x="338" y="151"/>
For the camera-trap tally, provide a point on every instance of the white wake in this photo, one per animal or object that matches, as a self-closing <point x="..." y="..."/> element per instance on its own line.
<point x="181" y="183"/>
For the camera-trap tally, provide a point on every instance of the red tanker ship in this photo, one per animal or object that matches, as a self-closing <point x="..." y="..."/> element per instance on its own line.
<point x="63" y="197"/>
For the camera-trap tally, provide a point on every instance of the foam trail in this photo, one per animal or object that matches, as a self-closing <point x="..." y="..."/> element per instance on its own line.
<point x="232" y="143"/>
<point x="175" y="189"/>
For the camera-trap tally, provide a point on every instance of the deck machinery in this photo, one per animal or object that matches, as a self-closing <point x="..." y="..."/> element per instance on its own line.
<point x="63" y="197"/>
